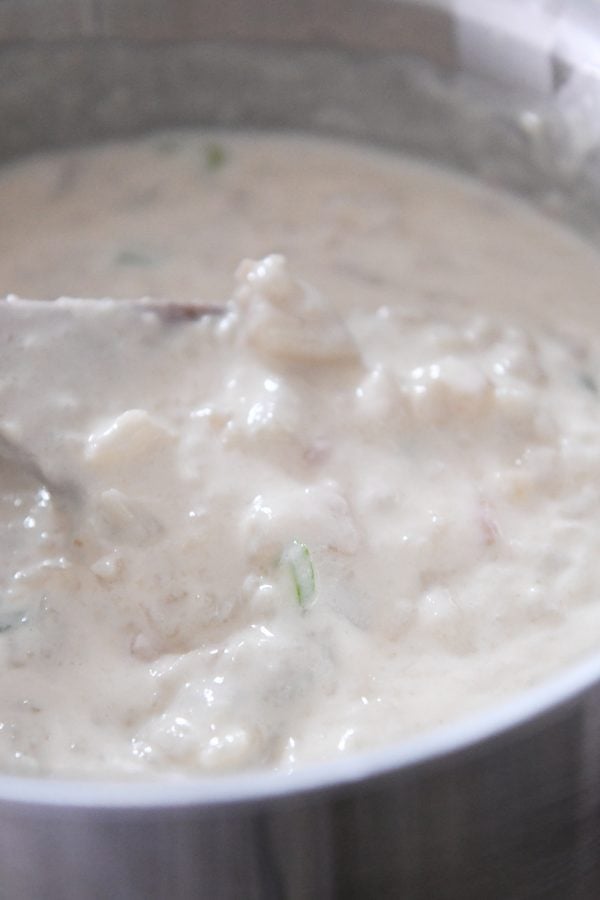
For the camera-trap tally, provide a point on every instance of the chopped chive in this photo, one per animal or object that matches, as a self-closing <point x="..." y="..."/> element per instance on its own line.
<point x="297" y="558"/>
<point x="588" y="382"/>
<point x="215" y="156"/>
<point x="8" y="622"/>
<point x="131" y="257"/>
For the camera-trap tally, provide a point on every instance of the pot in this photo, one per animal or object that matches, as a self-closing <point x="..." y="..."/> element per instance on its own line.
<point x="507" y="803"/>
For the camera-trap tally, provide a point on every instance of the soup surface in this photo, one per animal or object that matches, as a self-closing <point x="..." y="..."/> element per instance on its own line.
<point x="358" y="502"/>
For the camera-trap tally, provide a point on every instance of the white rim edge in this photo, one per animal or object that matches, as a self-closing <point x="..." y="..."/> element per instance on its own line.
<point x="263" y="786"/>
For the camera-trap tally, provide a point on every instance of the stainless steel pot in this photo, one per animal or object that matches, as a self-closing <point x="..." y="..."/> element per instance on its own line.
<point x="506" y="805"/>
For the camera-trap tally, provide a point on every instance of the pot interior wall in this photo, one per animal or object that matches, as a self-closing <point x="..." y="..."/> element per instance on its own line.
<point x="509" y="106"/>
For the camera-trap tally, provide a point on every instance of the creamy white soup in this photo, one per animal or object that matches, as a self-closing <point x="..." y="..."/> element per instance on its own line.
<point x="355" y="498"/>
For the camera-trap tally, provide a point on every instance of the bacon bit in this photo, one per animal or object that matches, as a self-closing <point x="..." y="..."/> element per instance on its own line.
<point x="487" y="522"/>
<point x="175" y="597"/>
<point x="142" y="648"/>
<point x="174" y="313"/>
<point x="318" y="451"/>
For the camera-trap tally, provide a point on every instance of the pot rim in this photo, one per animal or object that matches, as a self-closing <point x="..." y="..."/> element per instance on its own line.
<point x="528" y="709"/>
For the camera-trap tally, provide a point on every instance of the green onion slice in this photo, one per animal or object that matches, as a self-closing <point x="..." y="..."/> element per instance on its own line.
<point x="215" y="156"/>
<point x="297" y="558"/>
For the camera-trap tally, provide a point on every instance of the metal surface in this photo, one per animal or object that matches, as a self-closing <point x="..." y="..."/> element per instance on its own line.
<point x="507" y="805"/>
